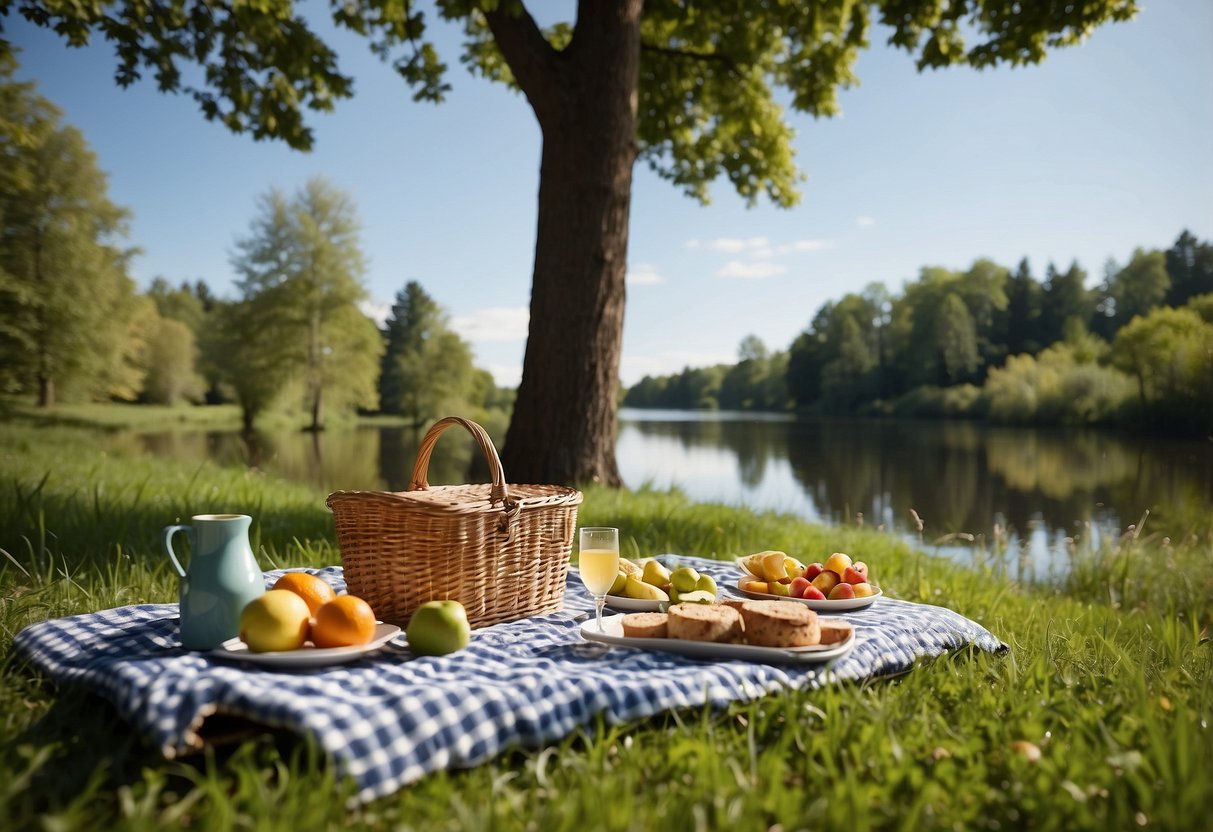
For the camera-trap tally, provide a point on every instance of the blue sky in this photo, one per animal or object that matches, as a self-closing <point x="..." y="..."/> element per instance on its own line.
<point x="1102" y="148"/>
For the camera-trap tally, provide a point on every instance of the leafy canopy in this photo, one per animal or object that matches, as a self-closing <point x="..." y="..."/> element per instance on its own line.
<point x="712" y="75"/>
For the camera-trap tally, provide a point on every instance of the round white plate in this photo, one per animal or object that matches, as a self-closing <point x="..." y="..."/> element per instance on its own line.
<point x="307" y="656"/>
<point x="844" y="605"/>
<point x="613" y="634"/>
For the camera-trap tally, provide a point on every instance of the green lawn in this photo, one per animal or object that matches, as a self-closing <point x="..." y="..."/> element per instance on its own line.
<point x="1110" y="679"/>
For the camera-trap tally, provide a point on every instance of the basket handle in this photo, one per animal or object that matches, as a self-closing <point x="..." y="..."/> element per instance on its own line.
<point x="499" y="493"/>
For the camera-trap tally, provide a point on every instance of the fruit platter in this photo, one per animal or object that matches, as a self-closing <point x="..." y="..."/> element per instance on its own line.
<point x="839" y="584"/>
<point x="648" y="585"/>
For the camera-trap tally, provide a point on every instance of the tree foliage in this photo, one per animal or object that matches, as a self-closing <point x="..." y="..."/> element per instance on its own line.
<point x="66" y="301"/>
<point x="301" y="277"/>
<point x="427" y="369"/>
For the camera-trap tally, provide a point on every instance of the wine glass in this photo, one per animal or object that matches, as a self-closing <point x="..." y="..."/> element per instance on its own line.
<point x="598" y="563"/>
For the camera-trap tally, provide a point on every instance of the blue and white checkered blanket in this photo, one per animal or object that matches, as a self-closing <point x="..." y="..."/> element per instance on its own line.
<point x="389" y="719"/>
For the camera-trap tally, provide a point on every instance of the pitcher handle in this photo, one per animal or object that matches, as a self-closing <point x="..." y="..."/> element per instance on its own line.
<point x="169" y="531"/>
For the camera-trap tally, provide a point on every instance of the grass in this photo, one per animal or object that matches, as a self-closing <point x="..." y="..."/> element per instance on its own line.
<point x="1110" y="679"/>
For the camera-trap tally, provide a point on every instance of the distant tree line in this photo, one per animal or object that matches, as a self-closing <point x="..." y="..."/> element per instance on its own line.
<point x="992" y="343"/>
<point x="73" y="325"/>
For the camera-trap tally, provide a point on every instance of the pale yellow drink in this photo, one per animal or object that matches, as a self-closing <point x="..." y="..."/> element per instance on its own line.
<point x="598" y="569"/>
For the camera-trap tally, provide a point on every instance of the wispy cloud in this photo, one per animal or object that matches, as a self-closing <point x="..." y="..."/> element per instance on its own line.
<point x="644" y="274"/>
<point x="732" y="245"/>
<point x="496" y="323"/>
<point x="864" y="221"/>
<point x="505" y="375"/>
<point x="751" y="270"/>
<point x="377" y="310"/>
<point x="692" y="243"/>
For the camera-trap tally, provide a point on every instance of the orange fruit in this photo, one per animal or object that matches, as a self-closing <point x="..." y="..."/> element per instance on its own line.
<point x="316" y="591"/>
<point x="345" y="621"/>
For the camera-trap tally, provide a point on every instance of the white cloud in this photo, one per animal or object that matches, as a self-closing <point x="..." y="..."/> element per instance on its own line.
<point x="692" y="243"/>
<point x="376" y="310"/>
<point x="732" y="245"/>
<point x="506" y="375"/>
<point x="493" y="324"/>
<point x="797" y="246"/>
<point x="751" y="271"/>
<point x="865" y="221"/>
<point x="644" y="274"/>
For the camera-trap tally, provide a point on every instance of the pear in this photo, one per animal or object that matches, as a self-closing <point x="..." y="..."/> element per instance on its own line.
<point x="697" y="597"/>
<point x="706" y="583"/>
<point x="621" y="581"/>
<point x="684" y="578"/>
<point x="655" y="574"/>
<point x="642" y="591"/>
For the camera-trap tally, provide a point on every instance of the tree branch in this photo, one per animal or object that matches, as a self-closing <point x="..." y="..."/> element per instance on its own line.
<point x="690" y="54"/>
<point x="530" y="57"/>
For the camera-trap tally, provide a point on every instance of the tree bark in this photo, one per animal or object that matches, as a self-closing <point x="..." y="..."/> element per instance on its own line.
<point x="563" y="427"/>
<point x="46" y="391"/>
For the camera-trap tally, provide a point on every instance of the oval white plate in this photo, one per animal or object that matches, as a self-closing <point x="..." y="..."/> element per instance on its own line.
<point x="842" y="605"/>
<point x="307" y="656"/>
<point x="619" y="602"/>
<point x="613" y="634"/>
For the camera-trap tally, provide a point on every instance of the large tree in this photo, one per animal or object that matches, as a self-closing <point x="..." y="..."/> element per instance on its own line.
<point x="66" y="300"/>
<point x="301" y="273"/>
<point x="690" y="88"/>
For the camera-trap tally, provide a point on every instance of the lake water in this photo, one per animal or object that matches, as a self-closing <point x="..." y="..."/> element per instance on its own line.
<point x="1038" y="492"/>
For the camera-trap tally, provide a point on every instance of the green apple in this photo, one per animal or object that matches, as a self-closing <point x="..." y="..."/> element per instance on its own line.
<point x="655" y="574"/>
<point x="642" y="591"/>
<point x="621" y="581"/>
<point x="437" y="628"/>
<point x="706" y="583"/>
<point x="278" y="620"/>
<point x="684" y="578"/>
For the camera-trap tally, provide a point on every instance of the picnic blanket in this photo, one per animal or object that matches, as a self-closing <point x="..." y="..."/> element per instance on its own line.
<point x="389" y="719"/>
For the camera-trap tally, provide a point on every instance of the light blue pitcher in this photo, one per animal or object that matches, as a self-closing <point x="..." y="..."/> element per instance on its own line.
<point x="223" y="577"/>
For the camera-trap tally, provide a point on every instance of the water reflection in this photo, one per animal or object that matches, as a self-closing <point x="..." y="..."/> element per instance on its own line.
<point x="1030" y="489"/>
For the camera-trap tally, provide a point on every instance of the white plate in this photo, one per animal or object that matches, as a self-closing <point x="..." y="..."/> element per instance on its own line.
<point x="632" y="604"/>
<point x="613" y="634"/>
<point x="308" y="656"/>
<point x="841" y="605"/>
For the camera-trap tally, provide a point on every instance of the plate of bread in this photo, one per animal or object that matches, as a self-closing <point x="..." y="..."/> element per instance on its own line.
<point x="758" y="631"/>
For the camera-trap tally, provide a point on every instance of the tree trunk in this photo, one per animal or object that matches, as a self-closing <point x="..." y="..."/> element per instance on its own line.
<point x="46" y="391"/>
<point x="563" y="427"/>
<point x="317" y="410"/>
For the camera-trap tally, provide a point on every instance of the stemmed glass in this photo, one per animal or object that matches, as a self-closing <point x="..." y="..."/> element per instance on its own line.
<point x="598" y="563"/>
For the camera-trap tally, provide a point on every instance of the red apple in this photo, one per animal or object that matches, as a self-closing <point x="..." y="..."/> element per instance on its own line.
<point x="813" y="570"/>
<point x="854" y="576"/>
<point x="842" y="592"/>
<point x="812" y="593"/>
<point x="798" y="587"/>
<point x="861" y="567"/>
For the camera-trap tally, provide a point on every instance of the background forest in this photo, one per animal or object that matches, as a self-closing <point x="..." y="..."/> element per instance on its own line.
<point x="991" y="343"/>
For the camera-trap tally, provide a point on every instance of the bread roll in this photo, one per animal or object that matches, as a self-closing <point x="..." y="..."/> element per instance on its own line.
<point x="780" y="624"/>
<point x="834" y="631"/>
<point x="705" y="622"/>
<point x="645" y="625"/>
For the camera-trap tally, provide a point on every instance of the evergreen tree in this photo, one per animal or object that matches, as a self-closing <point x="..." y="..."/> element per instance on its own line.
<point x="1190" y="267"/>
<point x="1023" y="311"/>
<point x="1139" y="287"/>
<point x="1065" y="297"/>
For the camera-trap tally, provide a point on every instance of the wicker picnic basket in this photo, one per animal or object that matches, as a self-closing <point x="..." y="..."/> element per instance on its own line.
<point x="500" y="550"/>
